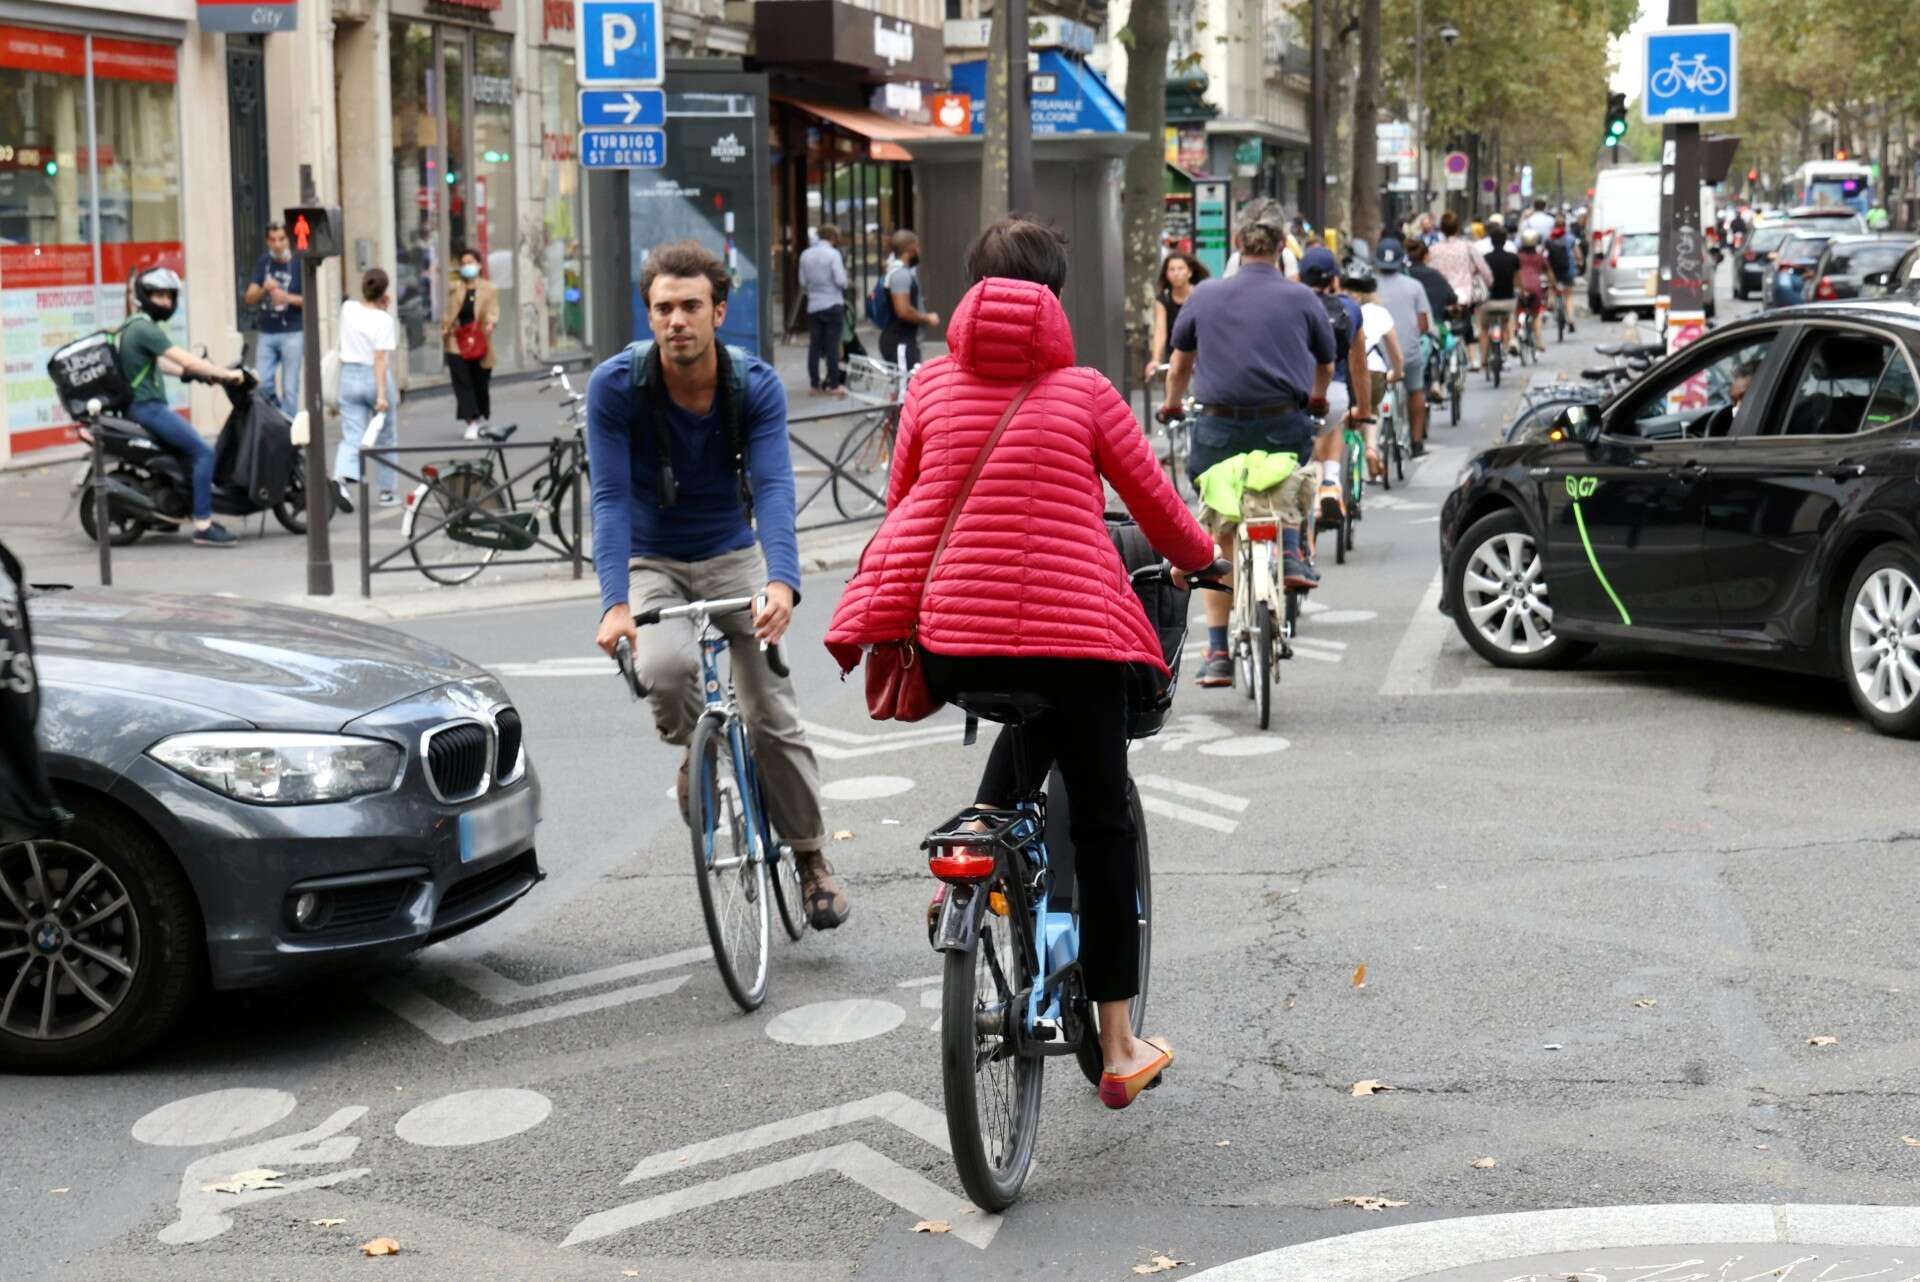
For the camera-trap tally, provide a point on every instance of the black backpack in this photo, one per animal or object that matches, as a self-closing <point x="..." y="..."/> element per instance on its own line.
<point x="1342" y="322"/>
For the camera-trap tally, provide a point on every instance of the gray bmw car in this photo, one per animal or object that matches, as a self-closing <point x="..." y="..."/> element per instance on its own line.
<point x="258" y="793"/>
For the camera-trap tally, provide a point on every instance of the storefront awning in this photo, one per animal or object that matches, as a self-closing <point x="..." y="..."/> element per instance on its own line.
<point x="884" y="134"/>
<point x="1077" y="101"/>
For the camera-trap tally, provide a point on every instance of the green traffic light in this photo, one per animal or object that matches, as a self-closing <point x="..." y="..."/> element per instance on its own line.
<point x="53" y="167"/>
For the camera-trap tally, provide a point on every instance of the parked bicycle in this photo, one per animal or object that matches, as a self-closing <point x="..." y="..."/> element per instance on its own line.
<point x="866" y="452"/>
<point x="468" y="513"/>
<point x="736" y="861"/>
<point x="1012" y="991"/>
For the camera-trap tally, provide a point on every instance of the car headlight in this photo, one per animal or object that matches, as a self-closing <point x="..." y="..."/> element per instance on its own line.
<point x="282" y="769"/>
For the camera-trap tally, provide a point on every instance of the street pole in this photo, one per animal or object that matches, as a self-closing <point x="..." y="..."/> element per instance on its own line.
<point x="1559" y="184"/>
<point x="1019" y="117"/>
<point x="1420" y="102"/>
<point x="1684" y="275"/>
<point x="319" y="491"/>
<point x="1317" y="127"/>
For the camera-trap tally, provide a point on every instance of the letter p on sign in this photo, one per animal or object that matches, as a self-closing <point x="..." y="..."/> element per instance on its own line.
<point x="617" y="43"/>
<point x="617" y="35"/>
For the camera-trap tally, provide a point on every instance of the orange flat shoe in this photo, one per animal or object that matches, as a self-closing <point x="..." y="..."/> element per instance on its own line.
<point x="1118" y="1092"/>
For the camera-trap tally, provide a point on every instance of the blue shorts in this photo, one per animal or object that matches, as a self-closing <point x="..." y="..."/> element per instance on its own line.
<point x="1214" y="440"/>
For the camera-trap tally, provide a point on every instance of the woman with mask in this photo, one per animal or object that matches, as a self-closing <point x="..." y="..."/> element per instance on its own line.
<point x="473" y="310"/>
<point x="368" y="339"/>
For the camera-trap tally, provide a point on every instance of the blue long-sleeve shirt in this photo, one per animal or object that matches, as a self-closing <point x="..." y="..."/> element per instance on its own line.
<point x="707" y="521"/>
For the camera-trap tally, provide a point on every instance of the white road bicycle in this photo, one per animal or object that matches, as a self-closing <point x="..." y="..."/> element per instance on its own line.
<point x="1264" y="612"/>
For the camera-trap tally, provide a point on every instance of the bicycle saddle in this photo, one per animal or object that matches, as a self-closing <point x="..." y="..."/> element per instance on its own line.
<point x="498" y="434"/>
<point x="1011" y="707"/>
<point x="1645" y="349"/>
<point x="1601" y="372"/>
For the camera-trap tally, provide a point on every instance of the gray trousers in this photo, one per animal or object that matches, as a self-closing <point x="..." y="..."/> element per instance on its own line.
<point x="669" y="662"/>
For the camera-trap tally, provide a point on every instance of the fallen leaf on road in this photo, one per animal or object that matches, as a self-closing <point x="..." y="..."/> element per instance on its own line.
<point x="327" y="1224"/>
<point x="844" y="834"/>
<point x="1367" y="1203"/>
<point x="933" y="1226"/>
<point x="1369" y="1087"/>
<point x="1221" y="1143"/>
<point x="1645" y="1002"/>
<point x="1360" y="976"/>
<point x="1822" y="1041"/>
<point x="380" y="1246"/>
<point x="1908" y="1140"/>
<point x="629" y="1273"/>
<point x="68" y="1189"/>
<point x="245" y="1182"/>
<point x="1483" y="1163"/>
<point x="1553" y="1046"/>
<point x="1160" y="1264"/>
<point x="891" y="823"/>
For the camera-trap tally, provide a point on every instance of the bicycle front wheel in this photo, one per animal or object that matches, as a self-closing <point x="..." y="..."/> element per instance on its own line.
<point x="444" y="555"/>
<point x="864" y="457"/>
<point x="729" y="865"/>
<point x="992" y="1091"/>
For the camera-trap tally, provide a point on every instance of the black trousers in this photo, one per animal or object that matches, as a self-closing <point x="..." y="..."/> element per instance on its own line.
<point x="472" y="388"/>
<point x="895" y="337"/>
<point x="823" y="343"/>
<point x="1086" y="736"/>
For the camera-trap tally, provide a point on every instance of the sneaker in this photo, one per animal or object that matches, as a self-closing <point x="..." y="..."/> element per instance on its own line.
<point x="342" y="497"/>
<point x="827" y="905"/>
<point x="1216" y="671"/>
<point x="214" y="536"/>
<point x="389" y="499"/>
<point x="1298" y="574"/>
<point x="472" y="433"/>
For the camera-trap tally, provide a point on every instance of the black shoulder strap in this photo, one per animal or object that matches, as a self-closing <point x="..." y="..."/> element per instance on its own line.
<point x="730" y="395"/>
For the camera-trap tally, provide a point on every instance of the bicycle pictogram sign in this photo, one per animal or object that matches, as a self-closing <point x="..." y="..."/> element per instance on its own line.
<point x="1690" y="74"/>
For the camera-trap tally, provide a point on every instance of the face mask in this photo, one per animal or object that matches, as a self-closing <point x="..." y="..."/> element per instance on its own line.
<point x="159" y="311"/>
<point x="468" y="271"/>
<point x="281" y="255"/>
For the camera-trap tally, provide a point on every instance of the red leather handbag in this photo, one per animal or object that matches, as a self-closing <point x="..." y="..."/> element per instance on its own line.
<point x="897" y="687"/>
<point x="470" y="341"/>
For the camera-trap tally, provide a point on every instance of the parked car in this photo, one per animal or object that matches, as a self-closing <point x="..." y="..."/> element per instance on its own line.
<point x="1755" y="262"/>
<point x="1755" y="496"/>
<point x="1628" y="273"/>
<point x="1858" y="266"/>
<point x="1833" y="218"/>
<point x="258" y="793"/>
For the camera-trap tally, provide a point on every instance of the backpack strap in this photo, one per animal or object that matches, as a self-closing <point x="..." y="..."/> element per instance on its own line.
<point x="147" y="369"/>
<point x="730" y="394"/>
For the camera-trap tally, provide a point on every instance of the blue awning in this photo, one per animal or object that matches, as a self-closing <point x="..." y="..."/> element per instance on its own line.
<point x="1080" y="102"/>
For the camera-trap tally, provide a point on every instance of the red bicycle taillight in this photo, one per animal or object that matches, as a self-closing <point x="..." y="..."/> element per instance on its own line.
<point x="955" y="864"/>
<point x="431" y="472"/>
<point x="1825" y="288"/>
<point x="1752" y="254"/>
<point x="1263" y="531"/>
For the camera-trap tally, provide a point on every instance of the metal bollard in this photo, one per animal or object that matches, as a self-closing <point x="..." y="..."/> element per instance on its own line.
<point x="98" y="498"/>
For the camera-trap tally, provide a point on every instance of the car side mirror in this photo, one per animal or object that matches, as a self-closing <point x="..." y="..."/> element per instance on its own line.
<point x="1583" y="424"/>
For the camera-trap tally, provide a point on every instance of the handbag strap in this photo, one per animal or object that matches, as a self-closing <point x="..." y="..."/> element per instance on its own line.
<point x="966" y="487"/>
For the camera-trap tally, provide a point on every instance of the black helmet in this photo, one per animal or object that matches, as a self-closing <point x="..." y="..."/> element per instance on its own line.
<point x="1358" y="277"/>
<point x="156" y="280"/>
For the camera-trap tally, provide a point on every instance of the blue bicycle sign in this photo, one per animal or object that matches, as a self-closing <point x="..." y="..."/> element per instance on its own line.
<point x="1691" y="74"/>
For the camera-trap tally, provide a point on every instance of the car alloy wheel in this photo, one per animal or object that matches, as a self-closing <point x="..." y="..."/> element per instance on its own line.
<point x="1884" y="640"/>
<point x="1506" y="597"/>
<point x="70" y="944"/>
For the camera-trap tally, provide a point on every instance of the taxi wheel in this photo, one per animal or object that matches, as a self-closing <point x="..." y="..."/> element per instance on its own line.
<point x="1878" y="634"/>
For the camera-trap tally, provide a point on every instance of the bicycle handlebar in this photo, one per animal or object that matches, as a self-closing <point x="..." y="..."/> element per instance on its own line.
<point x="623" y="659"/>
<point x="776" y="661"/>
<point x="1209" y="578"/>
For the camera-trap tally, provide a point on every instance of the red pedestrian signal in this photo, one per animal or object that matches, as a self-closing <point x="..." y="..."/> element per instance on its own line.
<point x="301" y="230"/>
<point x="315" y="230"/>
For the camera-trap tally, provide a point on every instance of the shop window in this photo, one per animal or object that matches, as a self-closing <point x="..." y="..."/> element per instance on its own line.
<point x="561" y="248"/>
<point x="420" y="195"/>
<point x="491" y="190"/>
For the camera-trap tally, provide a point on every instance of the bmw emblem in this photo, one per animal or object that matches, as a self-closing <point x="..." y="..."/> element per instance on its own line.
<point x="49" y="937"/>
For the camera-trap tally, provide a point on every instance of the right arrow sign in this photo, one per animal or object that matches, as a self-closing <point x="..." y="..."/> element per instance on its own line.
<point x="627" y="108"/>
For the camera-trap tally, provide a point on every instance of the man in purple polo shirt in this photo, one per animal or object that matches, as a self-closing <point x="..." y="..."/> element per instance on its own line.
<point x="1259" y="352"/>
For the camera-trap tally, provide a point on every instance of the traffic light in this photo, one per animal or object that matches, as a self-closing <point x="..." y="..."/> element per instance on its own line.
<point x="1616" y="119"/>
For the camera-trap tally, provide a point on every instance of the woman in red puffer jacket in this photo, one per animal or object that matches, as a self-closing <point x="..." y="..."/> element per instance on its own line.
<point x="1030" y="594"/>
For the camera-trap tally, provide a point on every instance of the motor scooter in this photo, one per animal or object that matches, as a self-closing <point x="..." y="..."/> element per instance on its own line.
<point x="149" y="487"/>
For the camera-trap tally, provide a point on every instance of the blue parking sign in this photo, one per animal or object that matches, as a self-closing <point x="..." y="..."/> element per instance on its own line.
<point x="1691" y="74"/>
<point x="625" y="108"/>
<point x="617" y="43"/>
<point x="623" y="148"/>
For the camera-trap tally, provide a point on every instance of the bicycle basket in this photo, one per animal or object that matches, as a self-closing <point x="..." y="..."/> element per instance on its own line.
<point x="1149" y="694"/>
<point x="87" y="369"/>
<point x="872" y="379"/>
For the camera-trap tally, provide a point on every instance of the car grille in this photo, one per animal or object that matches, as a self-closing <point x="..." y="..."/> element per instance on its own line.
<point x="457" y="760"/>
<point x="357" y="907"/>
<point x="506" y="728"/>
<point x="478" y="887"/>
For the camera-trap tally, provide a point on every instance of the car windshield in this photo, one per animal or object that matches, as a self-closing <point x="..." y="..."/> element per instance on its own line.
<point x="1803" y="249"/>
<point x="1640" y="245"/>
<point x="1767" y="237"/>
<point x="1862" y="260"/>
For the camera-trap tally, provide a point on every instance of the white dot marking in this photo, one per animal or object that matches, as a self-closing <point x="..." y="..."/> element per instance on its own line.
<point x="213" y="1118"/>
<point x="473" y="1117"/>
<point x="835" y="1023"/>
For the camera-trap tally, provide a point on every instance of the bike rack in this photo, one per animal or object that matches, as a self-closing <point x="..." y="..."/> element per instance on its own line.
<point x="469" y="507"/>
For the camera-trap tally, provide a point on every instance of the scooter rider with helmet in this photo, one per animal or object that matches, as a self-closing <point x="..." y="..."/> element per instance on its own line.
<point x="146" y="351"/>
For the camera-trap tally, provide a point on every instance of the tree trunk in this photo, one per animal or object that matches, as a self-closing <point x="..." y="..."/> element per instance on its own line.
<point x="1143" y="203"/>
<point x="1365" y="223"/>
<point x="1340" y="58"/>
<point x="993" y="142"/>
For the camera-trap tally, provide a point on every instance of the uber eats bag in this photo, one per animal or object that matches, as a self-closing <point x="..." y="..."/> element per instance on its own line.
<point x="1149" y="693"/>
<point x="87" y="369"/>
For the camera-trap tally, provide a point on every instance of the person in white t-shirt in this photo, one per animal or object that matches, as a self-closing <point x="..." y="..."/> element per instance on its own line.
<point x="1385" y="362"/>
<point x="1539" y="222"/>
<point x="368" y="340"/>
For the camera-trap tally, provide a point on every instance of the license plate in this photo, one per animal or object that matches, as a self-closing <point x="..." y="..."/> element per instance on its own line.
<point x="498" y="827"/>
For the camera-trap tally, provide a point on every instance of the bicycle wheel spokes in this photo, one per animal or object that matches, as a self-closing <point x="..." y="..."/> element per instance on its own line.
<point x="992" y="1091"/>
<point x="729" y="866"/>
<point x="864" y="457"/>
<point x="454" y="504"/>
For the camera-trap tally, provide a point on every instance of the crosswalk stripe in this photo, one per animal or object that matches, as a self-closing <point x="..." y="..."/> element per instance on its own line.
<point x="1193" y="791"/>
<point x="1174" y="810"/>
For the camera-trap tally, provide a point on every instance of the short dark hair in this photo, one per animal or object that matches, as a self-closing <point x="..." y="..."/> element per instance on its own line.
<point x="1539" y="202"/>
<point x="1196" y="270"/>
<point x="373" y="285"/>
<point x="275" y="226"/>
<point x="828" y="232"/>
<point x="685" y="258"/>
<point x="903" y="240"/>
<point x="1449" y="224"/>
<point x="1417" y="251"/>
<point x="1498" y="237"/>
<point x="1019" y="247"/>
<point x="465" y="251"/>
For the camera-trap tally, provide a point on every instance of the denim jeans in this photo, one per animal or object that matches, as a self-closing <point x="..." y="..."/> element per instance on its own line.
<point x="356" y="411"/>
<point x="1214" y="440"/>
<point x="823" y="342"/>
<point x="174" y="432"/>
<point x="282" y="352"/>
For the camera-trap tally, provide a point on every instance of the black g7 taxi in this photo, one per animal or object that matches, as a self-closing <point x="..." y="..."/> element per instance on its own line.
<point x="1755" y="495"/>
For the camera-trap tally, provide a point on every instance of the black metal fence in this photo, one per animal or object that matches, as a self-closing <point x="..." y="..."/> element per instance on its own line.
<point x="837" y="468"/>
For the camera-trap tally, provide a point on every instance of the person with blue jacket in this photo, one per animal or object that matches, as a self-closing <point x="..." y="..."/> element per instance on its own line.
<point x="687" y="443"/>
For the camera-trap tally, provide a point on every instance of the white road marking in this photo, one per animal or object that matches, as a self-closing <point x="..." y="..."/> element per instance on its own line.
<point x="1251" y="745"/>
<point x="1186" y="814"/>
<point x="473" y="1117"/>
<point x="214" y="1117"/>
<point x="204" y="1215"/>
<point x="866" y="788"/>
<point x="502" y="991"/>
<point x="449" y="1028"/>
<point x="1432" y="639"/>
<point x="1193" y="792"/>
<point x="921" y="982"/>
<point x="835" y="1023"/>
<point x="597" y="665"/>
<point x="906" y="1189"/>
<point x="1327" y="615"/>
<point x="930" y="1000"/>
<point x="1416" y="660"/>
<point x="830" y="744"/>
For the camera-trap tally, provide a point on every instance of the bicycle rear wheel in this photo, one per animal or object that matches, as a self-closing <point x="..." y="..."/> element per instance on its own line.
<point x="992" y="1092"/>
<point x="729" y="865"/>
<point x="1262" y="663"/>
<point x="785" y="874"/>
<point x="865" y="455"/>
<point x="433" y="504"/>
<point x="1456" y="389"/>
<point x="1088" y="1054"/>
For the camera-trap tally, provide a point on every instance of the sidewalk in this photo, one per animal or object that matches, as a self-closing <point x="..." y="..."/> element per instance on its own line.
<point x="271" y="565"/>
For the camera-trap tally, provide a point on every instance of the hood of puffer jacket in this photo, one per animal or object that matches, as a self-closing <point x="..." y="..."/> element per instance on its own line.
<point x="1010" y="331"/>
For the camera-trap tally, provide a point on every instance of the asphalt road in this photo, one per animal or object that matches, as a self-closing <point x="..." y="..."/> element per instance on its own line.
<point x="1601" y="912"/>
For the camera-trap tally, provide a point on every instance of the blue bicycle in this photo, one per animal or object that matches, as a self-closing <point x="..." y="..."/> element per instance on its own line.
<point x="737" y="863"/>
<point x="1010" y="935"/>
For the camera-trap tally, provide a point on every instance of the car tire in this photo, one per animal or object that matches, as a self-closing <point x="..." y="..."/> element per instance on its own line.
<point x="1864" y="654"/>
<point x="1608" y="315"/>
<point x="169" y="946"/>
<point x="1495" y="541"/>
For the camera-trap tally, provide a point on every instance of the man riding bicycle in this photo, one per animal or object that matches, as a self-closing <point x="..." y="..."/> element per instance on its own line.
<point x="687" y="440"/>
<point x="1351" y="392"/>
<point x="1563" y="258"/>
<point x="1259" y="353"/>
